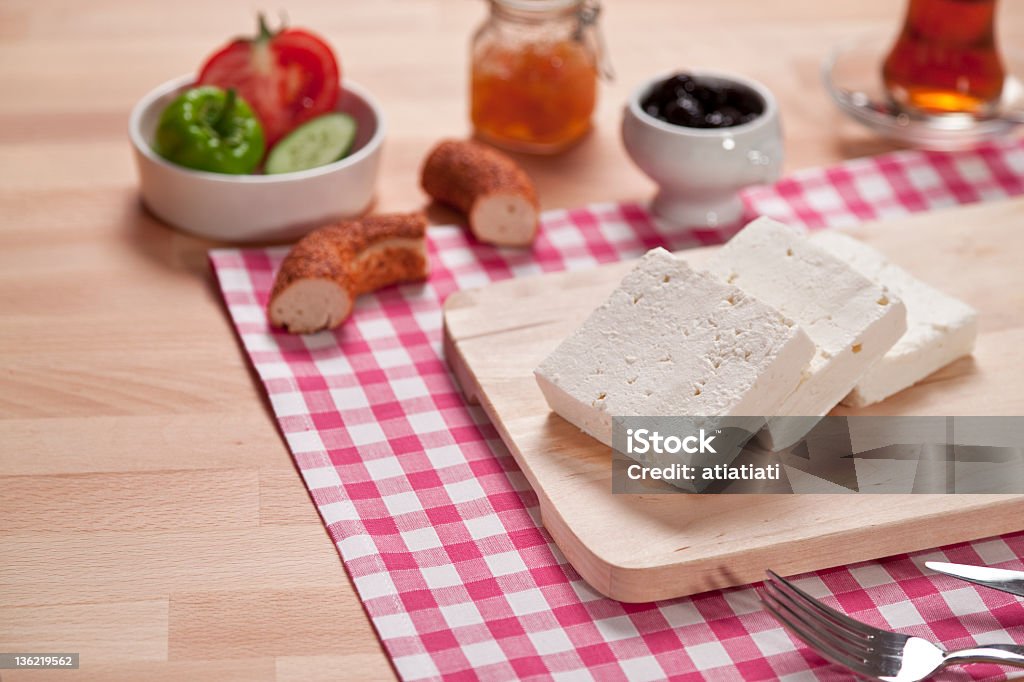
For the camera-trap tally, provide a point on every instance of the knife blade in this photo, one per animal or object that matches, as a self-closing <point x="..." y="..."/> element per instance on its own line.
<point x="996" y="578"/>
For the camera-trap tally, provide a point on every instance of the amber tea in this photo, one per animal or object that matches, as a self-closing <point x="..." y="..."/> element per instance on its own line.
<point x="945" y="59"/>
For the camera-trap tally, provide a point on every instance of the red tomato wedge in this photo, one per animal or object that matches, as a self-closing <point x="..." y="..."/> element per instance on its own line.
<point x="287" y="77"/>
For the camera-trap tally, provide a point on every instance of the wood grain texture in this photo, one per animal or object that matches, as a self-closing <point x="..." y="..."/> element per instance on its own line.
<point x="119" y="368"/>
<point x="647" y="547"/>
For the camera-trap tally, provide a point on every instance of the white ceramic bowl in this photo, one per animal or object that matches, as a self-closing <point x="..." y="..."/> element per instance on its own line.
<point x="248" y="208"/>
<point x="700" y="171"/>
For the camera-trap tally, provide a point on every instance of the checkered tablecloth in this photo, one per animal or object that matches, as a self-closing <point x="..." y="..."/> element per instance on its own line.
<point x="439" y="529"/>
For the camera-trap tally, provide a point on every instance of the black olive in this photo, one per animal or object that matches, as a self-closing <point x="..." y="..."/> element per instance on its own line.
<point x="680" y="81"/>
<point x="690" y="104"/>
<point x="676" y="114"/>
<point x="731" y="116"/>
<point x="715" y="119"/>
<point x="746" y="101"/>
<point x="670" y="111"/>
<point x="684" y="100"/>
<point x="710" y="97"/>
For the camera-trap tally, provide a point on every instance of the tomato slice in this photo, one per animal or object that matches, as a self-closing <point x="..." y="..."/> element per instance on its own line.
<point x="287" y="77"/>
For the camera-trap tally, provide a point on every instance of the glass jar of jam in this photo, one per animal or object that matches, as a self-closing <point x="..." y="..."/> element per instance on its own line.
<point x="535" y="66"/>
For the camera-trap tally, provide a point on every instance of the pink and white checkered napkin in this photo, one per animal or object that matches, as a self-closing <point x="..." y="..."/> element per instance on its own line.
<point x="439" y="529"/>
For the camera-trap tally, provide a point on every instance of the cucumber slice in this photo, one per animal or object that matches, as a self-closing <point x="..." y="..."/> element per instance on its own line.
<point x="317" y="142"/>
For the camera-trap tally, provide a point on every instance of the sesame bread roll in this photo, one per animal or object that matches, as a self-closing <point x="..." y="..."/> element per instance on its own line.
<point x="327" y="269"/>
<point x="494" y="193"/>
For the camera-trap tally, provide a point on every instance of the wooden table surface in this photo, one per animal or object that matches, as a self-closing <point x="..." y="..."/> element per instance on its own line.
<point x="150" y="514"/>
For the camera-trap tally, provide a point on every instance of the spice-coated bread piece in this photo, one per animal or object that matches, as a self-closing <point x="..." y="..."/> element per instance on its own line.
<point x="327" y="269"/>
<point x="496" y="195"/>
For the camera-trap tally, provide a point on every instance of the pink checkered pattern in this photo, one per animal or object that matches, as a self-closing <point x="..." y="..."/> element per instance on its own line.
<point x="439" y="529"/>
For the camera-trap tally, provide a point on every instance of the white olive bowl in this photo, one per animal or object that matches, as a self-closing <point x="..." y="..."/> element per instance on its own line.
<point x="252" y="208"/>
<point x="700" y="171"/>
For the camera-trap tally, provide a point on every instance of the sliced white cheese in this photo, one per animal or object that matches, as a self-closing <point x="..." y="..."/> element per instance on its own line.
<point x="673" y="341"/>
<point x="940" y="328"/>
<point x="852" y="321"/>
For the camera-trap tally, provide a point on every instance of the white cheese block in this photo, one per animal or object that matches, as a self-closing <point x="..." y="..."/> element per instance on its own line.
<point x="671" y="341"/>
<point x="940" y="328"/>
<point x="852" y="321"/>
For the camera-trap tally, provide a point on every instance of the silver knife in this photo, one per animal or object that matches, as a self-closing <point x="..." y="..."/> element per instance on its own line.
<point x="996" y="578"/>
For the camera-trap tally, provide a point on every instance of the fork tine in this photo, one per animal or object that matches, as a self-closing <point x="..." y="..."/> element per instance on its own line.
<point x="840" y="619"/>
<point x="815" y="621"/>
<point x="785" y="616"/>
<point x="876" y="654"/>
<point x="871" y="647"/>
<point x="855" y="648"/>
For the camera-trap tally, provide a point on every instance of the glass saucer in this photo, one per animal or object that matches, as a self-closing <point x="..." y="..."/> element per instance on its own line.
<point x="853" y="77"/>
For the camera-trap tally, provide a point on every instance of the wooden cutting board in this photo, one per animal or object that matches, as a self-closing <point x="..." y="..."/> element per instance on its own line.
<point x="645" y="547"/>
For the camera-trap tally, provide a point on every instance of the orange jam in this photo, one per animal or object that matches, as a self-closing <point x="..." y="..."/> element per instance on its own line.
<point x="535" y="97"/>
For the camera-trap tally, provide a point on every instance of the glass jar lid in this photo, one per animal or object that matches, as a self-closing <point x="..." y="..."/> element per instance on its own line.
<point x="538" y="5"/>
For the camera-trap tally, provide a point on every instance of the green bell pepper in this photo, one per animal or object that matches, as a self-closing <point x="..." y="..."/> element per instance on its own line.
<point x="210" y="129"/>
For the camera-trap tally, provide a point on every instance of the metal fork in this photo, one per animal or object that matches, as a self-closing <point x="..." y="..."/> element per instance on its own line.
<point x="867" y="650"/>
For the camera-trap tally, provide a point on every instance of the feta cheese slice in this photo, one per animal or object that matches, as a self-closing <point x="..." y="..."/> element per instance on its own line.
<point x="671" y="341"/>
<point x="852" y="321"/>
<point x="940" y="328"/>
